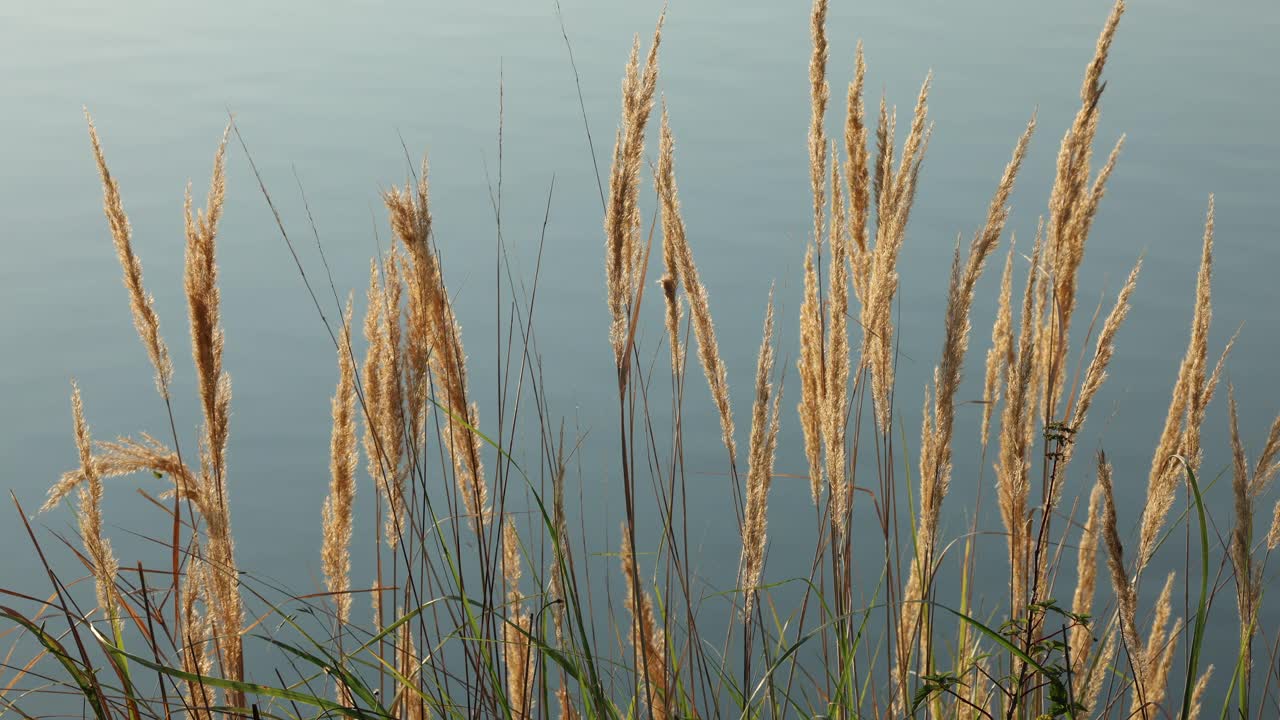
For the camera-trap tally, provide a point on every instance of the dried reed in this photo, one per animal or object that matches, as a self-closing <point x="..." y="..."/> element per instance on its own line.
<point x="1247" y="485"/>
<point x="895" y="194"/>
<point x="622" y="216"/>
<point x="516" y="640"/>
<point x="836" y="359"/>
<point x="204" y="309"/>
<point x="1157" y="655"/>
<point x="1073" y="203"/>
<point x="141" y="303"/>
<point x="1096" y="373"/>
<point x="763" y="444"/>
<point x="1000" y="356"/>
<point x="222" y="593"/>
<point x="857" y="174"/>
<point x="939" y="425"/>
<point x="384" y="419"/>
<point x="1273" y="535"/>
<point x="1197" y="694"/>
<point x="89" y="515"/>
<point x="1191" y="394"/>
<point x="676" y="242"/>
<point x="435" y="341"/>
<point x="1013" y="484"/>
<point x="648" y="641"/>
<point x="344" y="457"/>
<point x="415" y="359"/>
<point x="1125" y="592"/>
<point x="819" y="93"/>
<point x="1080" y="642"/>
<point x="812" y="376"/>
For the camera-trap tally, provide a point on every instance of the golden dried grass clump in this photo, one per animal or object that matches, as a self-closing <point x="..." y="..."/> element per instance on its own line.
<point x="894" y="196"/>
<point x="222" y="592"/>
<point x="812" y="360"/>
<point x="415" y="360"/>
<point x="215" y="630"/>
<point x="1013" y="482"/>
<point x="435" y="341"/>
<point x="939" y="421"/>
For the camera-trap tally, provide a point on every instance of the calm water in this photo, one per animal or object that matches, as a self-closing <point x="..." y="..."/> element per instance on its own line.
<point x="329" y="93"/>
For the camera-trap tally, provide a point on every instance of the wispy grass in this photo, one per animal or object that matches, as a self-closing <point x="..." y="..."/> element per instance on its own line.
<point x="489" y="601"/>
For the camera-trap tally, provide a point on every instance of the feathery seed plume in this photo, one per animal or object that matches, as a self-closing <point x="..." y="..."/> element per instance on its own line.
<point x="939" y="425"/>
<point x="836" y="357"/>
<point x="435" y="342"/>
<point x="1000" y="355"/>
<point x="1126" y="594"/>
<point x="141" y="303"/>
<point x="895" y="193"/>
<point x="812" y="375"/>
<point x="1273" y="535"/>
<point x="764" y="437"/>
<point x="343" y="460"/>
<point x="89" y="515"/>
<point x="704" y="329"/>
<point x="517" y="644"/>
<point x="819" y="93"/>
<point x="1013" y="485"/>
<point x="1197" y="695"/>
<point x="200" y="280"/>
<point x="1081" y="638"/>
<point x="1073" y="204"/>
<point x="622" y="216"/>
<point x="647" y="638"/>
<point x="1186" y="406"/>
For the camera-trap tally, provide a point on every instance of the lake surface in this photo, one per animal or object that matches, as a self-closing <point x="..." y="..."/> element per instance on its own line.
<point x="329" y="91"/>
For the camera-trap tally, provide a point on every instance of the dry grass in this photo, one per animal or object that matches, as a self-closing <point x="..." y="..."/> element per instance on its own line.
<point x="489" y="597"/>
<point x="675" y="243"/>
<point x="622" y="217"/>
<point x="89" y="513"/>
<point x="1191" y="393"/>
<point x="648" y="642"/>
<point x="763" y="448"/>
<point x="344" y="458"/>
